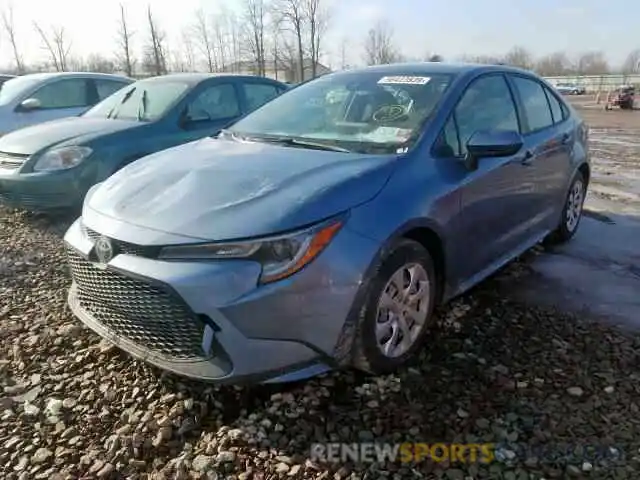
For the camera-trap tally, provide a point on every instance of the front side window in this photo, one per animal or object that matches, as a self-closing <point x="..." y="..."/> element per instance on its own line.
<point x="68" y="93"/>
<point x="216" y="102"/>
<point x="486" y="105"/>
<point x="146" y="100"/>
<point x="534" y="100"/>
<point x="360" y="112"/>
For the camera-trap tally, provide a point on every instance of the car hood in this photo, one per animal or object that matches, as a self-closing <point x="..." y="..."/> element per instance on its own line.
<point x="30" y="140"/>
<point x="223" y="189"/>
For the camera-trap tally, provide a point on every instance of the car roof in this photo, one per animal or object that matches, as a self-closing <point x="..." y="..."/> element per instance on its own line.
<point x="48" y="75"/>
<point x="428" y="68"/>
<point x="195" y="78"/>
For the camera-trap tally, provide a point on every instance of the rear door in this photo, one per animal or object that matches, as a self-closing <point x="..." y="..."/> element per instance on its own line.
<point x="492" y="197"/>
<point x="548" y="137"/>
<point x="66" y="97"/>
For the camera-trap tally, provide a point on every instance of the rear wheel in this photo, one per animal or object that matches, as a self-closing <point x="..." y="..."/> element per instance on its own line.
<point x="571" y="213"/>
<point x="397" y="309"/>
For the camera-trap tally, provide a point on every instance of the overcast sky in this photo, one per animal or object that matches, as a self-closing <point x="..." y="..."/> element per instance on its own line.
<point x="450" y="27"/>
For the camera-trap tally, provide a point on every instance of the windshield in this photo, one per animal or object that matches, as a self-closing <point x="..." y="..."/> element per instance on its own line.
<point x="146" y="100"/>
<point x="359" y="112"/>
<point x="15" y="87"/>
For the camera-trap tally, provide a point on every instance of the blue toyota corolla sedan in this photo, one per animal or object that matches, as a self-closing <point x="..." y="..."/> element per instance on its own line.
<point x="321" y="230"/>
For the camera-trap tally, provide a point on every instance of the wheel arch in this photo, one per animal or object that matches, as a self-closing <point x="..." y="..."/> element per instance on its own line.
<point x="424" y="231"/>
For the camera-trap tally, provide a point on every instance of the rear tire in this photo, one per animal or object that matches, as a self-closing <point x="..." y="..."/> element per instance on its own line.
<point x="571" y="212"/>
<point x="397" y="309"/>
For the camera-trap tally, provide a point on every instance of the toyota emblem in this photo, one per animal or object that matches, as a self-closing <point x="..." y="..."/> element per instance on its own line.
<point x="104" y="250"/>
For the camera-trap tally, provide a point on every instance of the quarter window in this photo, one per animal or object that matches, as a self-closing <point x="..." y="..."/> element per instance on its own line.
<point x="214" y="103"/>
<point x="67" y="93"/>
<point x="536" y="106"/>
<point x="487" y="104"/>
<point x="557" y="111"/>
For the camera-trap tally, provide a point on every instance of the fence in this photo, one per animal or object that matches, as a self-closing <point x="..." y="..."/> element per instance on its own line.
<point x="597" y="83"/>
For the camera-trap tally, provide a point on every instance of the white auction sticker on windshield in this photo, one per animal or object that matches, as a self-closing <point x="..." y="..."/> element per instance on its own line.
<point x="404" y="80"/>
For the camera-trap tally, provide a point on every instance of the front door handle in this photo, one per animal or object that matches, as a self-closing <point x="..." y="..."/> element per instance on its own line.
<point x="527" y="158"/>
<point x="565" y="138"/>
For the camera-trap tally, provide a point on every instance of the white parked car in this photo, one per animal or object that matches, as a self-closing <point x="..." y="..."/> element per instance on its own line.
<point x="40" y="97"/>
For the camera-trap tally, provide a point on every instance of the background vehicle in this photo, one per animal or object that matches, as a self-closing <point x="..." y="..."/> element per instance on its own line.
<point x="623" y="97"/>
<point x="322" y="229"/>
<point x="571" y="89"/>
<point x="52" y="165"/>
<point x="40" y="97"/>
<point x="4" y="78"/>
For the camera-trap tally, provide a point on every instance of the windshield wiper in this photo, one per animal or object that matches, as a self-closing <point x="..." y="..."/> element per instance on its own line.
<point x="297" y="142"/>
<point x="126" y="97"/>
<point x="143" y="104"/>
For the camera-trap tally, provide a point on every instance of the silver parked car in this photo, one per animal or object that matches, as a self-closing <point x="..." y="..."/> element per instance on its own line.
<point x="40" y="97"/>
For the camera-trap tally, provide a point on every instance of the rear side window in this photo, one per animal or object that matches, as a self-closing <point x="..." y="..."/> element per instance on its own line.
<point x="257" y="94"/>
<point x="534" y="100"/>
<point x="106" y="88"/>
<point x="558" y="113"/>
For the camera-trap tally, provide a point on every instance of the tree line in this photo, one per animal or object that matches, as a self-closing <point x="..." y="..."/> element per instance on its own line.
<point x="272" y="36"/>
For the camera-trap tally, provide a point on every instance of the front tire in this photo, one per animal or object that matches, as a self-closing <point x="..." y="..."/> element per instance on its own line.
<point x="571" y="212"/>
<point x="397" y="309"/>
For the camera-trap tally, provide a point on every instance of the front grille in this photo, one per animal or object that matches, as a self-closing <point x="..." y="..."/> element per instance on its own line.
<point x="149" y="316"/>
<point x="123" y="247"/>
<point x="12" y="160"/>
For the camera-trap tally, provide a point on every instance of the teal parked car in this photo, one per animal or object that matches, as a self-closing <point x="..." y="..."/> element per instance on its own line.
<point x="52" y="165"/>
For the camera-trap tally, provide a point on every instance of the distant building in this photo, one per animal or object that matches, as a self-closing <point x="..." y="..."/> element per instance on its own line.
<point x="279" y="71"/>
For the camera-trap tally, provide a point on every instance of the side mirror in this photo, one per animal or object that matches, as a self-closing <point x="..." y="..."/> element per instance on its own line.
<point x="496" y="143"/>
<point x="30" y="104"/>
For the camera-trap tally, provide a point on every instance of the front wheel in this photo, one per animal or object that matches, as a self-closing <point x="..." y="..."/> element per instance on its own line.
<point x="571" y="212"/>
<point x="397" y="309"/>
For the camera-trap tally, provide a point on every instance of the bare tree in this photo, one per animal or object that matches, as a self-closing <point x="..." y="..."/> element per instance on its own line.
<point x="204" y="39"/>
<point x="553" y="64"/>
<point x="483" y="59"/>
<point x="379" y="47"/>
<point x="57" y="46"/>
<point x="155" y="51"/>
<point x="98" y="63"/>
<point x="318" y="19"/>
<point x="124" y="55"/>
<point x="10" y="29"/>
<point x="343" y="54"/>
<point x="592" y="63"/>
<point x="293" y="14"/>
<point x="631" y="64"/>
<point x="255" y="20"/>
<point x="519" y="57"/>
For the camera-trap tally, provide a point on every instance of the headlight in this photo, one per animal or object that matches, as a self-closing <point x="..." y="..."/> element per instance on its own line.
<point x="280" y="256"/>
<point x="61" y="158"/>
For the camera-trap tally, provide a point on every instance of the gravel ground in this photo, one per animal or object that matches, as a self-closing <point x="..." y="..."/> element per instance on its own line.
<point x="535" y="381"/>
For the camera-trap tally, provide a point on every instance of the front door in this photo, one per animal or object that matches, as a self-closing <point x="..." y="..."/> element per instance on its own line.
<point x="492" y="197"/>
<point x="208" y="110"/>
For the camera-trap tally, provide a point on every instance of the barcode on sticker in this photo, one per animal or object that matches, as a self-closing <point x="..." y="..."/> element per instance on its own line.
<point x="405" y="80"/>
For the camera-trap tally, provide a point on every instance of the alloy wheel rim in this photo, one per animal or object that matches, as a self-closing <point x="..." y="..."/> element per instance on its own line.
<point x="402" y="310"/>
<point x="574" y="205"/>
